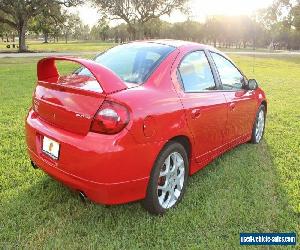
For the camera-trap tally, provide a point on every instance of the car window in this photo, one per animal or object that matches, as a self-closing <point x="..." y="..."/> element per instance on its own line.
<point x="231" y="77"/>
<point x="195" y="72"/>
<point x="132" y="62"/>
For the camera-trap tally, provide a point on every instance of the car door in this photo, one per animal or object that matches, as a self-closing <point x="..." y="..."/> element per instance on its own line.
<point x="241" y="103"/>
<point x="205" y="107"/>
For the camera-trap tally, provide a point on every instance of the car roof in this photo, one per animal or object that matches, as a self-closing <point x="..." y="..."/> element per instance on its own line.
<point x="174" y="43"/>
<point x="180" y="44"/>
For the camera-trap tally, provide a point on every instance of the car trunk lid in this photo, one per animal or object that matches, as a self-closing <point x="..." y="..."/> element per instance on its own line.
<point x="70" y="102"/>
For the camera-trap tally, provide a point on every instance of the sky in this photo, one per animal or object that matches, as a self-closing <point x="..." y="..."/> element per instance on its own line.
<point x="200" y="9"/>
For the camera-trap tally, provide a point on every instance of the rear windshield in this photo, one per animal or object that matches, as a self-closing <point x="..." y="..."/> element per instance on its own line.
<point x="132" y="62"/>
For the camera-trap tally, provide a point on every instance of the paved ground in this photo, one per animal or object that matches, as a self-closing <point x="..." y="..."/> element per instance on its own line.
<point x="45" y="54"/>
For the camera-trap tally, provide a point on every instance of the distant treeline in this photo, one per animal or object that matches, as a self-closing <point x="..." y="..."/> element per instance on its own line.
<point x="219" y="31"/>
<point x="276" y="27"/>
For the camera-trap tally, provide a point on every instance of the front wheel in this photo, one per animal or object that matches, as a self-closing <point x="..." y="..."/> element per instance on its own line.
<point x="259" y="125"/>
<point x="168" y="179"/>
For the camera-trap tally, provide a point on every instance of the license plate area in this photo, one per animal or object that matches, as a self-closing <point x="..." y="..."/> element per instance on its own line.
<point x="50" y="147"/>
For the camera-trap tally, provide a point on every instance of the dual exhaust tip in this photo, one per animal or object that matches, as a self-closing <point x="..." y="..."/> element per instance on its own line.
<point x="34" y="165"/>
<point x="82" y="195"/>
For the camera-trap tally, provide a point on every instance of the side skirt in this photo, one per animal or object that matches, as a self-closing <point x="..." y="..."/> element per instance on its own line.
<point x="202" y="161"/>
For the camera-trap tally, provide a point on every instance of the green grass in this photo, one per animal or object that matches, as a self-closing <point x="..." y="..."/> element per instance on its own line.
<point x="71" y="46"/>
<point x="253" y="188"/>
<point x="249" y="49"/>
<point x="90" y="46"/>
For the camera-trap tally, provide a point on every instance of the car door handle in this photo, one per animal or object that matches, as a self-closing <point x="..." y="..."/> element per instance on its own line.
<point x="196" y="113"/>
<point x="232" y="106"/>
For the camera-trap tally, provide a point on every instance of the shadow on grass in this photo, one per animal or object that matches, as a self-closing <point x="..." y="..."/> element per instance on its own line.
<point x="238" y="192"/>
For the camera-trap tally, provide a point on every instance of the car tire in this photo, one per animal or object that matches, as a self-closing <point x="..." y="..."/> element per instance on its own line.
<point x="168" y="179"/>
<point x="259" y="125"/>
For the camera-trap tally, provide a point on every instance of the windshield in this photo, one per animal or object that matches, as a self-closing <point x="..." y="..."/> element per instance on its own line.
<point x="132" y="62"/>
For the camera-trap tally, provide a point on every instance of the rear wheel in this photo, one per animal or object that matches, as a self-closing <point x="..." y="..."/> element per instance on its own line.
<point x="259" y="125"/>
<point x="168" y="179"/>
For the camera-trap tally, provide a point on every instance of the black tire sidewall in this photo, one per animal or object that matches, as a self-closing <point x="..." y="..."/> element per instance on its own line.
<point x="151" y="202"/>
<point x="253" y="137"/>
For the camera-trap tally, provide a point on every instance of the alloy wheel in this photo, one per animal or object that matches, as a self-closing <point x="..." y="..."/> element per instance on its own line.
<point x="260" y="125"/>
<point x="171" y="180"/>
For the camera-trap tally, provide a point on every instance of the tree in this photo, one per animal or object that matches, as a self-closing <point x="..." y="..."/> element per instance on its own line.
<point x="282" y="20"/>
<point x="17" y="14"/>
<point x="187" y="30"/>
<point x="100" y="30"/>
<point x="81" y="31"/>
<point x="119" y="33"/>
<point x="165" y="30"/>
<point x="151" y="28"/>
<point x="70" y="24"/>
<point x="6" y="33"/>
<point x="137" y="12"/>
<point x="2" y="31"/>
<point x="296" y="17"/>
<point x="213" y="29"/>
<point x="47" y="21"/>
<point x="247" y="30"/>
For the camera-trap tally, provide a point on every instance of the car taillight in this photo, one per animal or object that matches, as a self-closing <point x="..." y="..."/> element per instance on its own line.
<point x="111" y="118"/>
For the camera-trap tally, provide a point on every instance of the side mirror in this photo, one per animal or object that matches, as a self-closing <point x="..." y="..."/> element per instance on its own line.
<point x="252" y="84"/>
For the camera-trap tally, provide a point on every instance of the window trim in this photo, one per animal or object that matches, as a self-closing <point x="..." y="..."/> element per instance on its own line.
<point x="179" y="77"/>
<point x="163" y="58"/>
<point x="219" y="77"/>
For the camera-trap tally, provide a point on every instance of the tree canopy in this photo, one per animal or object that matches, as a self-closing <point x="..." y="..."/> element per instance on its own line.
<point x="18" y="13"/>
<point x="276" y="27"/>
<point x="136" y="13"/>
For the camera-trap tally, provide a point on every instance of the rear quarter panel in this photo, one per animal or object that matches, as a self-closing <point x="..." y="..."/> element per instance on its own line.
<point x="156" y="111"/>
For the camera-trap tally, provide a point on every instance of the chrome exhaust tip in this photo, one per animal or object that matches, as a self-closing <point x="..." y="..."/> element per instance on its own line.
<point x="82" y="196"/>
<point x="34" y="165"/>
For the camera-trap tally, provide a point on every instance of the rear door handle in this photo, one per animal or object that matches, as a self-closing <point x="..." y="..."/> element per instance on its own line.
<point x="196" y="113"/>
<point x="232" y="106"/>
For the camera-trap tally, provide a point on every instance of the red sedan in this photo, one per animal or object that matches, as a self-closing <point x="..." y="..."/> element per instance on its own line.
<point x="138" y="120"/>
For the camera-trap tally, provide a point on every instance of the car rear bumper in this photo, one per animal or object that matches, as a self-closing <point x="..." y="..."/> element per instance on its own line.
<point x="107" y="169"/>
<point x="104" y="193"/>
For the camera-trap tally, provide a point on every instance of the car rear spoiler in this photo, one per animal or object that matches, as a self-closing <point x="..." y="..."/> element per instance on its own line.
<point x="108" y="80"/>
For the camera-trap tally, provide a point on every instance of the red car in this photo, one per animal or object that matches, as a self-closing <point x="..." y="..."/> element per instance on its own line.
<point x="138" y="120"/>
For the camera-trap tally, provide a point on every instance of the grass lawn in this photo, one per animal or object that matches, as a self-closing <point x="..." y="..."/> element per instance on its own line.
<point x="93" y="46"/>
<point x="253" y="188"/>
<point x="71" y="46"/>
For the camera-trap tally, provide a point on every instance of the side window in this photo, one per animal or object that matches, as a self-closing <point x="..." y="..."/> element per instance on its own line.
<point x="196" y="73"/>
<point x="230" y="76"/>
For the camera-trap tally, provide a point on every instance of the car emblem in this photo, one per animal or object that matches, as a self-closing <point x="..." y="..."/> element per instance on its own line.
<point x="82" y="116"/>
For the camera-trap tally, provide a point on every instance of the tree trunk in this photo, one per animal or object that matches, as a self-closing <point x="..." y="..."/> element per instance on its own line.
<point x="254" y="44"/>
<point x="66" y="37"/>
<point x="132" y="32"/>
<point x="22" y="37"/>
<point x="46" y="35"/>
